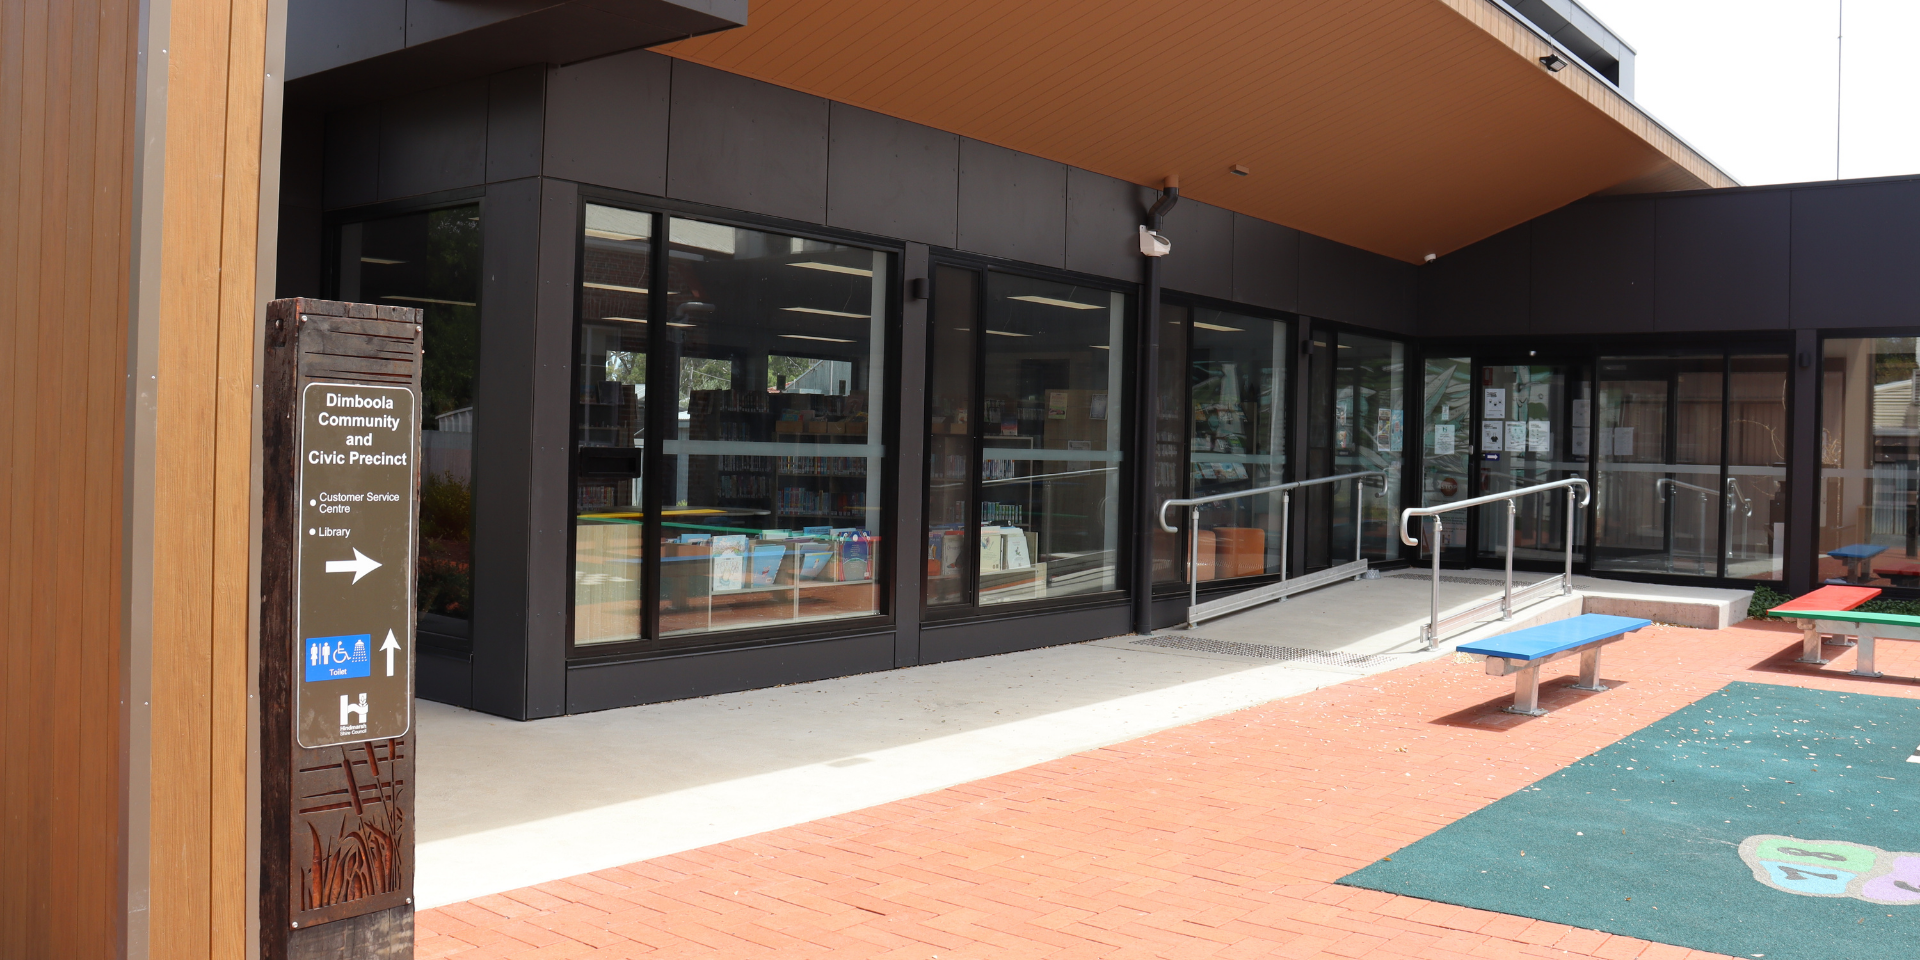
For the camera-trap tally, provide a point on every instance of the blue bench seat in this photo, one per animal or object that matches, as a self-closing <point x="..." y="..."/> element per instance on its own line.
<point x="1521" y="653"/>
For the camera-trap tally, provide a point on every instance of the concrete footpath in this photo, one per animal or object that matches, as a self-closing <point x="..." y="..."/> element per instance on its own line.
<point x="504" y="805"/>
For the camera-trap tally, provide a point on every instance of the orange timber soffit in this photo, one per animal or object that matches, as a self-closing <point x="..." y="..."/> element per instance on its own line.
<point x="1405" y="127"/>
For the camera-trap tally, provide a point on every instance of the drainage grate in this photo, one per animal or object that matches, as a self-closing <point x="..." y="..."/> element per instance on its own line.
<point x="1476" y="581"/>
<point x="1262" y="651"/>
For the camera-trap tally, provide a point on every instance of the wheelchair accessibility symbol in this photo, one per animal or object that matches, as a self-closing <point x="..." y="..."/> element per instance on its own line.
<point x="339" y="658"/>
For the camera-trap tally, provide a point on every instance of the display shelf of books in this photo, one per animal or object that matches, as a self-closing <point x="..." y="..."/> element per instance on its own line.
<point x="771" y="574"/>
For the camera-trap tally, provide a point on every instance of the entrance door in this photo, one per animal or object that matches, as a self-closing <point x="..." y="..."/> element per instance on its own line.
<point x="1658" y="492"/>
<point x="1357" y="422"/>
<point x="1532" y="429"/>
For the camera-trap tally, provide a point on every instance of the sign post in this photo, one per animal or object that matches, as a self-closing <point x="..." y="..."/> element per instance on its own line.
<point x="340" y="517"/>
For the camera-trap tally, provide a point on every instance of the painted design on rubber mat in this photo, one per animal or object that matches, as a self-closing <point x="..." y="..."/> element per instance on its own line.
<point x="1834" y="868"/>
<point x="1760" y="820"/>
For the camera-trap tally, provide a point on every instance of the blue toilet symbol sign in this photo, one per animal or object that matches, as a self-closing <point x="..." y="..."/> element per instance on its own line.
<point x="339" y="658"/>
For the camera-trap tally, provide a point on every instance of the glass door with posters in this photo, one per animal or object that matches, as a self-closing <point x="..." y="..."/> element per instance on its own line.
<point x="1446" y="452"/>
<point x="1533" y="428"/>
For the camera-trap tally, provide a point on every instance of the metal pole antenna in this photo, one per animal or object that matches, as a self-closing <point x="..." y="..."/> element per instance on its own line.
<point x="1839" y="77"/>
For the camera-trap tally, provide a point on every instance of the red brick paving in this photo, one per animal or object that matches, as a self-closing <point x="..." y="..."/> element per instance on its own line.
<point x="1218" y="839"/>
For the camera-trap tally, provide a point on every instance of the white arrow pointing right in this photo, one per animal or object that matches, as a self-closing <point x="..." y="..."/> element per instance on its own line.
<point x="359" y="566"/>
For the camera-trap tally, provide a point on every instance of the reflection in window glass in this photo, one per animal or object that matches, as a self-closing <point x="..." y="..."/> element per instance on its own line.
<point x="1869" y="451"/>
<point x="610" y="425"/>
<point x="949" y="433"/>
<point x="1533" y="428"/>
<point x="1235" y="439"/>
<point x="1050" y="440"/>
<point x="1657" y="495"/>
<point x="431" y="261"/>
<point x="774" y="514"/>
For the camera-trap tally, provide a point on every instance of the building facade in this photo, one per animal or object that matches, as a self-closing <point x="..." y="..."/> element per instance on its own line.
<point x="733" y="384"/>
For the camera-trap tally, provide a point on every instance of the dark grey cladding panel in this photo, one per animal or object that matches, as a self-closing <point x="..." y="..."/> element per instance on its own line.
<point x="1202" y="257"/>
<point x="1103" y="224"/>
<point x="1012" y="205"/>
<point x="604" y="119"/>
<point x="1721" y="261"/>
<point x="352" y="152"/>
<point x="599" y="686"/>
<point x="1480" y="289"/>
<point x="432" y="19"/>
<point x="1593" y="268"/>
<point x="1348" y="284"/>
<point x="892" y="177"/>
<point x="1856" y="255"/>
<point x="514" y="123"/>
<point x="741" y="143"/>
<point x="1266" y="263"/>
<point x="436" y="140"/>
<point x="323" y="34"/>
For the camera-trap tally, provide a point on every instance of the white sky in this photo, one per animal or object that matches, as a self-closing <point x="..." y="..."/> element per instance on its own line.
<point x="1751" y="83"/>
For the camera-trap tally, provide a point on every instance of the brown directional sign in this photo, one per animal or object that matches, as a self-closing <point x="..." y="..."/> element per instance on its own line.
<point x="354" y="563"/>
<point x="340" y="414"/>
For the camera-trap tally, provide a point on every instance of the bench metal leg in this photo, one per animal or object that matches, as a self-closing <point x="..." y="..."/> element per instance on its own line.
<point x="1863" y="657"/>
<point x="1810" y="643"/>
<point x="1526" y="692"/>
<point x="1590" y="672"/>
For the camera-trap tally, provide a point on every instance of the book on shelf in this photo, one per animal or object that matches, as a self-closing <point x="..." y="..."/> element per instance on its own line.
<point x="1018" y="553"/>
<point x="765" y="569"/>
<point x="729" y="562"/>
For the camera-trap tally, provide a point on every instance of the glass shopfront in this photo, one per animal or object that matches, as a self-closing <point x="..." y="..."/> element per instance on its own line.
<point x="1222" y="428"/>
<point x="1447" y="452"/>
<point x="1869" y="509"/>
<point x="760" y="505"/>
<point x="1533" y="429"/>
<point x="431" y="260"/>
<point x="1358" y="422"/>
<point x="1025" y="426"/>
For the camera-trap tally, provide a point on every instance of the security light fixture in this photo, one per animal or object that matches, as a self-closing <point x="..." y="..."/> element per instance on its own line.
<point x="826" y="313"/>
<point x="1239" y="170"/>
<point x="1553" y="62"/>
<point x="831" y="268"/>
<point x="1431" y="257"/>
<point x="612" y="286"/>
<point x="1056" y="302"/>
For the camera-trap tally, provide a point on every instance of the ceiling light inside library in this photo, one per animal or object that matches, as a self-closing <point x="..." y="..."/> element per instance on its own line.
<point x="1056" y="302"/>
<point x="827" y="313"/>
<point x="832" y="268"/>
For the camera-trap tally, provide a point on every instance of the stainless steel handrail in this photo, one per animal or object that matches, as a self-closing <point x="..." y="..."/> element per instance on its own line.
<point x="1286" y="501"/>
<point x="1432" y="632"/>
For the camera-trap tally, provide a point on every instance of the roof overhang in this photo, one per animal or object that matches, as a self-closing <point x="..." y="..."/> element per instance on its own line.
<point x="1405" y="127"/>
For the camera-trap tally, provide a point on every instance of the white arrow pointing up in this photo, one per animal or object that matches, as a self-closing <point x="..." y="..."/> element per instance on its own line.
<point x="359" y="566"/>
<point x="390" y="646"/>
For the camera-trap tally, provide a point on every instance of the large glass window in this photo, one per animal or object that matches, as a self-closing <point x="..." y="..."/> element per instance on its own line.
<point x="431" y="261"/>
<point x="1226" y="389"/>
<point x="950" y="459"/>
<point x="1869" y="452"/>
<point x="1533" y="429"/>
<point x="1025" y="430"/>
<point x="776" y="346"/>
<point x="1657" y="488"/>
<point x="1756" y="484"/>
<point x="1050" y="439"/>
<point x="610" y="425"/>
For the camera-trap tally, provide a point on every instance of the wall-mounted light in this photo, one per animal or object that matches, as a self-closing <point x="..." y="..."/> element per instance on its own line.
<point x="1431" y="257"/>
<point x="1553" y="62"/>
<point x="1239" y="170"/>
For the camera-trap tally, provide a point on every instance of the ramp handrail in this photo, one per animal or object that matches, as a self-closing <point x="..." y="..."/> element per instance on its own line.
<point x="1286" y="501"/>
<point x="1431" y="633"/>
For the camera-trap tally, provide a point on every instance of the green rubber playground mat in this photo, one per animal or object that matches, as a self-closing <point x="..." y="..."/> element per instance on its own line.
<point x="1761" y="821"/>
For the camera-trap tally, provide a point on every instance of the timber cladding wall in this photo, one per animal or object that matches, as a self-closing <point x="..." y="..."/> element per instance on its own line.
<point x="128" y="240"/>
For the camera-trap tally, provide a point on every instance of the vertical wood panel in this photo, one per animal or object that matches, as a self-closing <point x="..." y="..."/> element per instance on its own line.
<point x="68" y="163"/>
<point x="65" y="163"/>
